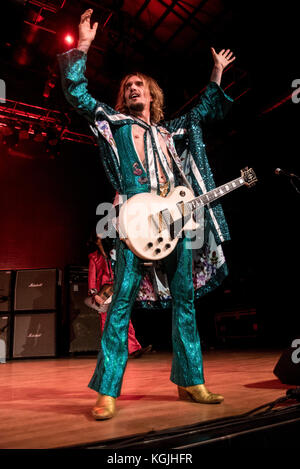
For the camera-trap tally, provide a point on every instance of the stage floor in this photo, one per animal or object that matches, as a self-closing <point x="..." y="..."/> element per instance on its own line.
<point x="45" y="403"/>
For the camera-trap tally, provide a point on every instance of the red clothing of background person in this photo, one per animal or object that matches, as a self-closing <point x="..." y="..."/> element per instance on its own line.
<point x="100" y="273"/>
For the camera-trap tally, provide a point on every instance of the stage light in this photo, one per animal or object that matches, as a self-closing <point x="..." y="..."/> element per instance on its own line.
<point x="69" y="39"/>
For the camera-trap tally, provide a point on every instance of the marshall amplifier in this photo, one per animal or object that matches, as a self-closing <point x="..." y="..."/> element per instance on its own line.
<point x="84" y="322"/>
<point x="36" y="290"/>
<point x="4" y="337"/>
<point x="5" y="290"/>
<point x="77" y="273"/>
<point x="34" y="335"/>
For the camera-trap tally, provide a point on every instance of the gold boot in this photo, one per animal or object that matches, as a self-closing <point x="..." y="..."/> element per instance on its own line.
<point x="199" y="393"/>
<point x="105" y="407"/>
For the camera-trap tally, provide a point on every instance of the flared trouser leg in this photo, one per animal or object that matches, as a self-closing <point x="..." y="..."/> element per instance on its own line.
<point x="113" y="354"/>
<point x="187" y="365"/>
<point x="133" y="343"/>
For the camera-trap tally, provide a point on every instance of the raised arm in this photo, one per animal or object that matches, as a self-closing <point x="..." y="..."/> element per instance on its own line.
<point x="213" y="103"/>
<point x="73" y="66"/>
<point x="86" y="32"/>
<point x="221" y="61"/>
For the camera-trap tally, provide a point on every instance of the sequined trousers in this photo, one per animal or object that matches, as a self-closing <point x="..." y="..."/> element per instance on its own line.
<point x="187" y="364"/>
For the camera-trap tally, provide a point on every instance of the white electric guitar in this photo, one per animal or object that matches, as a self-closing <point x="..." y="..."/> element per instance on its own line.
<point x="151" y="225"/>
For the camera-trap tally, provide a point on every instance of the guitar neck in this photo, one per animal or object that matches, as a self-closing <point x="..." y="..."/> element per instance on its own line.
<point x="215" y="194"/>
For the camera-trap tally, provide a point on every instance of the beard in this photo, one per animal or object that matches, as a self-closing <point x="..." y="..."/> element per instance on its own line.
<point x="137" y="107"/>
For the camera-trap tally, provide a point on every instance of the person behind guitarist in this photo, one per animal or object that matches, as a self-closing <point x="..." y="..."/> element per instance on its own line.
<point x="100" y="274"/>
<point x="140" y="155"/>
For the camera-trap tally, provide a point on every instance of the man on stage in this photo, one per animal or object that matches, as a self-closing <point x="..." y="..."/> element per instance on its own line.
<point x="140" y="155"/>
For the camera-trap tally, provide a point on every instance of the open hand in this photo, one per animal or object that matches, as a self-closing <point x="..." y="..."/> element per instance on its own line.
<point x="223" y="58"/>
<point x="86" y="33"/>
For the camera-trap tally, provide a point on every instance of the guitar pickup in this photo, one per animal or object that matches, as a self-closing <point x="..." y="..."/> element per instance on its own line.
<point x="183" y="208"/>
<point x="163" y="220"/>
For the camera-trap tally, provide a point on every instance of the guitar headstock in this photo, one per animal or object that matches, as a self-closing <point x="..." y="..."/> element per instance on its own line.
<point x="249" y="176"/>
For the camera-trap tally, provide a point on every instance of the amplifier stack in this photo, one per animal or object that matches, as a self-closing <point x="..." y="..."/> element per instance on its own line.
<point x="32" y="321"/>
<point x="31" y="312"/>
<point x="84" y="322"/>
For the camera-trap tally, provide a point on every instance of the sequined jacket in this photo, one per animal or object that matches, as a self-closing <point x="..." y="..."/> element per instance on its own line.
<point x="184" y="139"/>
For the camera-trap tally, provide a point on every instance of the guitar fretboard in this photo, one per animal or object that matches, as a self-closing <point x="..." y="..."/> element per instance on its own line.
<point x="215" y="194"/>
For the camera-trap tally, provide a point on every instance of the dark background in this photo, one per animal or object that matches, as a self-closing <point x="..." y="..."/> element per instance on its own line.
<point x="49" y="194"/>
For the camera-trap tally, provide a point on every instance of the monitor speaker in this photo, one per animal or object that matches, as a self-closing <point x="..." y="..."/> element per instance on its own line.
<point x="34" y="335"/>
<point x="287" y="369"/>
<point x="84" y="322"/>
<point x="35" y="290"/>
<point x="5" y="290"/>
<point x="4" y="337"/>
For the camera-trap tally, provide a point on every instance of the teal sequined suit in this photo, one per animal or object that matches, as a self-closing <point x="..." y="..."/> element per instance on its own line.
<point x="183" y="138"/>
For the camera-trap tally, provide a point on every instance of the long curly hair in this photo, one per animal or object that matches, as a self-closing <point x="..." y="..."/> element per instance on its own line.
<point x="156" y="106"/>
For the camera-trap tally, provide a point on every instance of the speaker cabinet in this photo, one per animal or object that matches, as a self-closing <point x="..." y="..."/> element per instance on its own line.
<point x="34" y="335"/>
<point x="5" y="290"/>
<point x="84" y="322"/>
<point x="4" y="337"/>
<point x="287" y="369"/>
<point x="35" y="290"/>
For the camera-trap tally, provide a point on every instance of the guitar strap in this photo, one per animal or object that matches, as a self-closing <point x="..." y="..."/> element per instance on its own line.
<point x="184" y="178"/>
<point x="178" y="165"/>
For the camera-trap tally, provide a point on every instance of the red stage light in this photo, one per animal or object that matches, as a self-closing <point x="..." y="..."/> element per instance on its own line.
<point x="69" y="39"/>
